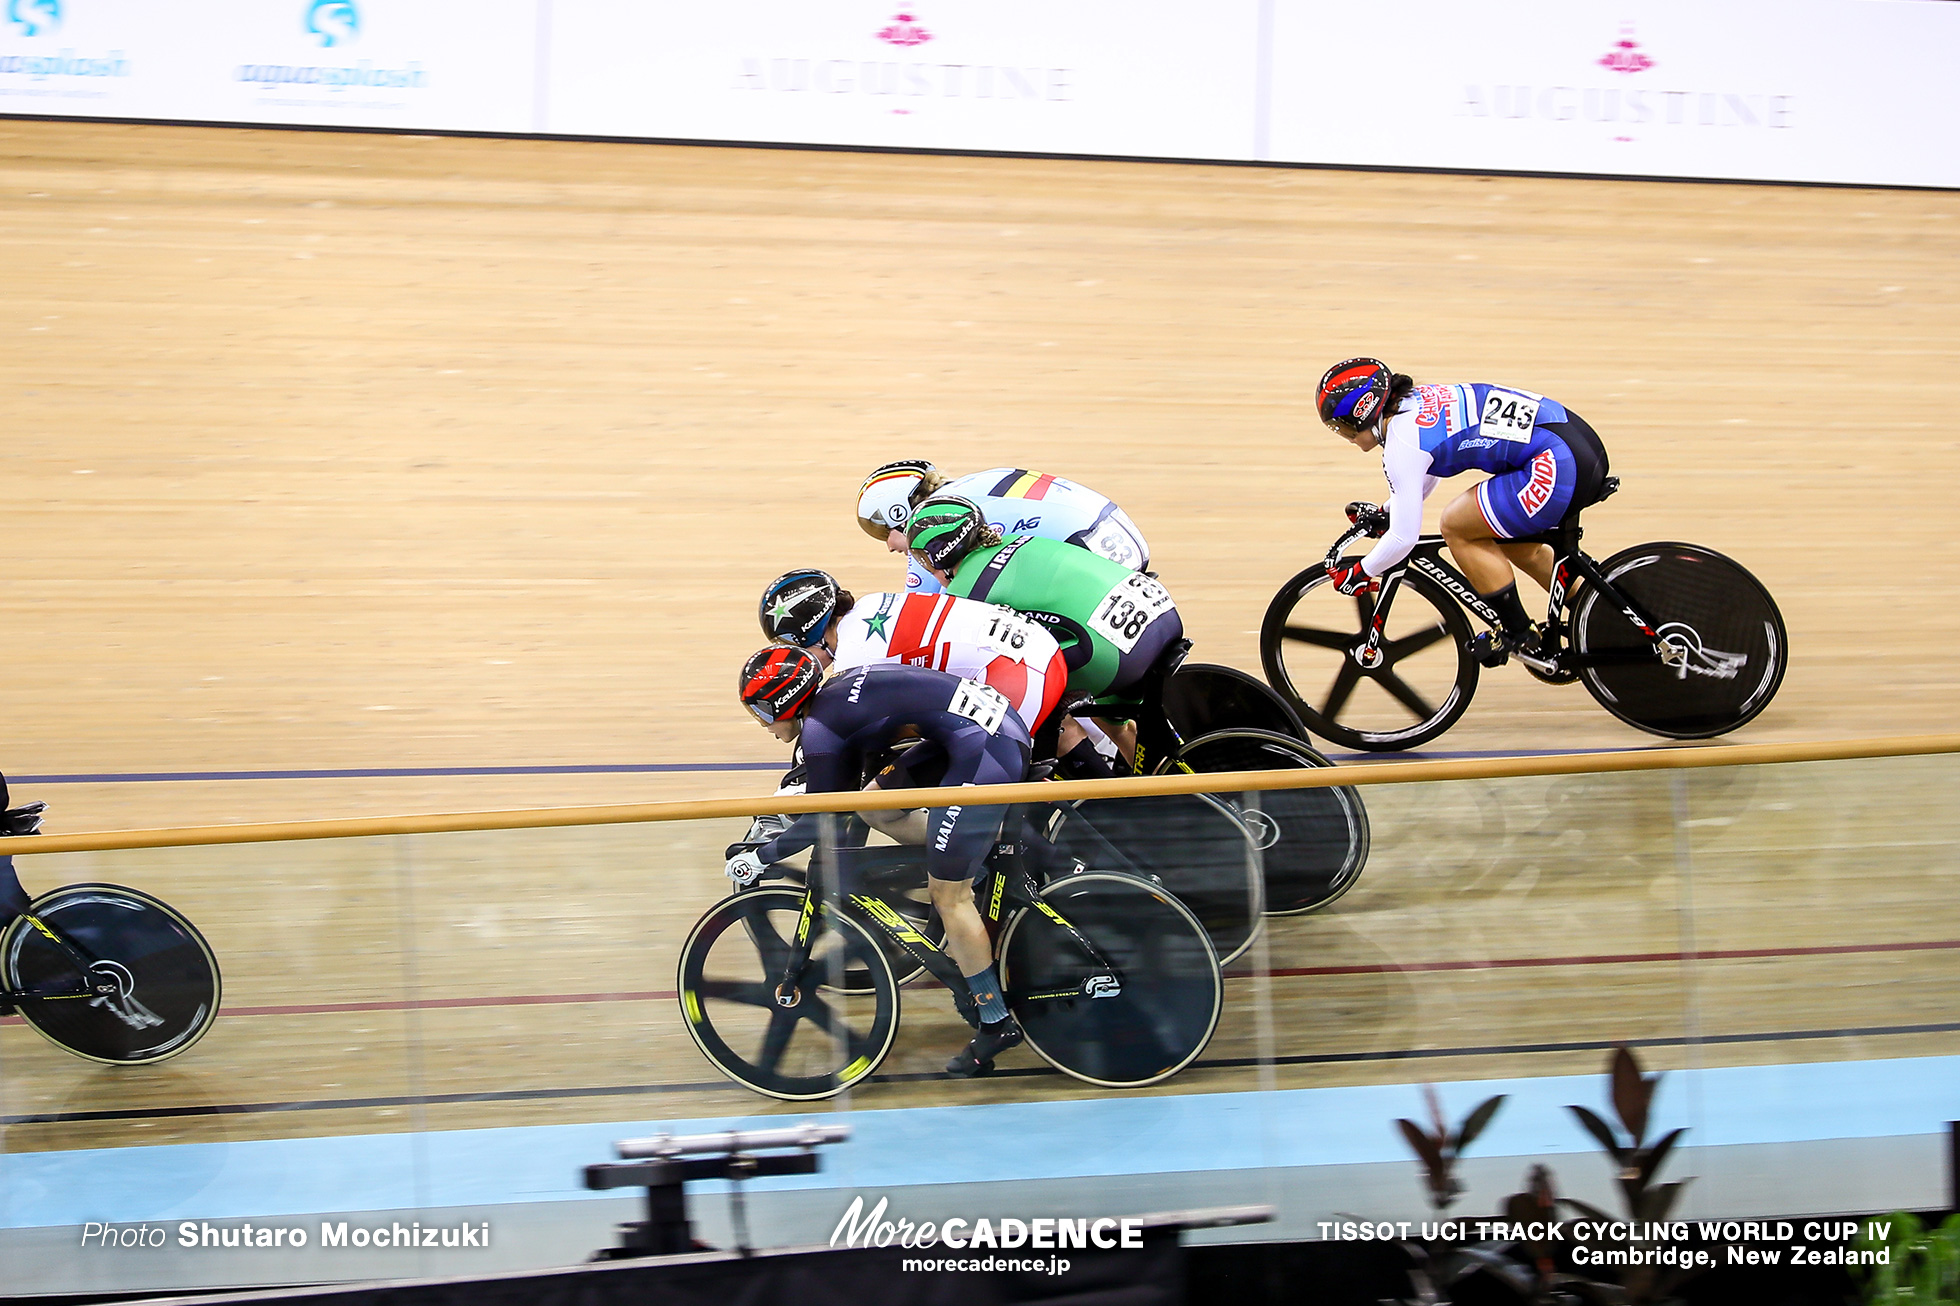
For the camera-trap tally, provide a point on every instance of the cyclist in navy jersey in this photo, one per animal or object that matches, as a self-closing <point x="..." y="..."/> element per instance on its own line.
<point x="1545" y="464"/>
<point x="21" y="820"/>
<point x="13" y="898"/>
<point x="968" y="727"/>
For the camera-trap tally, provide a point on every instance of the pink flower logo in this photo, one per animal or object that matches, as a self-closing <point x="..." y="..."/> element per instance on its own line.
<point x="903" y="31"/>
<point x="1625" y="56"/>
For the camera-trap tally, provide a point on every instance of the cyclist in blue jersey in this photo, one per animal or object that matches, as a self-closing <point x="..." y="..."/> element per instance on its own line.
<point x="1545" y="464"/>
<point x="968" y="727"/>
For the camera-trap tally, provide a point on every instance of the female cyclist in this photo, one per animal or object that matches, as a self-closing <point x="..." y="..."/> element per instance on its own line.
<point x="1544" y="462"/>
<point x="1013" y="500"/>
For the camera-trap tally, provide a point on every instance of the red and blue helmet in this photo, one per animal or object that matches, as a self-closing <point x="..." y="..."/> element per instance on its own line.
<point x="778" y="682"/>
<point x="1351" y="395"/>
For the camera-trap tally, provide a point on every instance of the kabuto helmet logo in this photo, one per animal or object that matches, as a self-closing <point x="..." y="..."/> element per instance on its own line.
<point x="34" y="17"/>
<point x="333" y="22"/>
<point x="1364" y="407"/>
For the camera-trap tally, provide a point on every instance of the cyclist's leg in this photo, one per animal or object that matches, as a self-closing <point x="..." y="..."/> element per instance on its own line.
<point x="1478" y="522"/>
<point x="956" y="852"/>
<point x="13" y="898"/>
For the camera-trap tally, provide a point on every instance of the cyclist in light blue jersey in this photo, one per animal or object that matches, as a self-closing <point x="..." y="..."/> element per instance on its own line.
<point x="1014" y="501"/>
<point x="1545" y="464"/>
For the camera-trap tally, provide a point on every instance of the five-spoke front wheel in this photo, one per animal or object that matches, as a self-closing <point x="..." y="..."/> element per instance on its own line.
<point x="1415" y="690"/>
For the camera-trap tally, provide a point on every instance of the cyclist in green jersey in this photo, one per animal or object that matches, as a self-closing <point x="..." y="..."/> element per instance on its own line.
<point x="1113" y="623"/>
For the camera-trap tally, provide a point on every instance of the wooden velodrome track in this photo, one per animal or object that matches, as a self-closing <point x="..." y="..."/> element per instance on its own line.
<point x="335" y="452"/>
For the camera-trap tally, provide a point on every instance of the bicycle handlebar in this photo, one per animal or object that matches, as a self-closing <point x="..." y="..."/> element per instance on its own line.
<point x="1348" y="537"/>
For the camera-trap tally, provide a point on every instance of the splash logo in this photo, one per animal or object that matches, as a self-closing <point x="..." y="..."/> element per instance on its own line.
<point x="333" y="22"/>
<point x="34" y="17"/>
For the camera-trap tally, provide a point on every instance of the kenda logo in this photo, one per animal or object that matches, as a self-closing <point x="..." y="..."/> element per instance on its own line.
<point x="33" y="17"/>
<point x="860" y="1228"/>
<point x="333" y="23"/>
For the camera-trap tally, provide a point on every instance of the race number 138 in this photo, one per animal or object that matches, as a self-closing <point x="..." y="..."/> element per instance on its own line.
<point x="1126" y="610"/>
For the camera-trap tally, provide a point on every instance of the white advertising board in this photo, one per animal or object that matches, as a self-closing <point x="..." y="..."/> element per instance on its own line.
<point x="1805" y="90"/>
<point x="1850" y="91"/>
<point x="354" y="63"/>
<point x="1147" y="77"/>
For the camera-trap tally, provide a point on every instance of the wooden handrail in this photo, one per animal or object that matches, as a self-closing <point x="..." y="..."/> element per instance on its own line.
<point x="1374" y="773"/>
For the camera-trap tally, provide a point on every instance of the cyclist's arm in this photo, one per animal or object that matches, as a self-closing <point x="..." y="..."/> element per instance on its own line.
<point x="918" y="580"/>
<point x="1406" y="464"/>
<point x="830" y="771"/>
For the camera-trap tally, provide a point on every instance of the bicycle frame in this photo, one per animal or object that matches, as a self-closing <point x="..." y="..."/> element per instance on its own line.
<point x="96" y="985"/>
<point x="1009" y="886"/>
<point x="1426" y="560"/>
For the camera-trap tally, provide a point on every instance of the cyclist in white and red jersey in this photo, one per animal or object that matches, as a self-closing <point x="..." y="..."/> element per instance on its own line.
<point x="1014" y="500"/>
<point x="1545" y="464"/>
<point x="976" y="641"/>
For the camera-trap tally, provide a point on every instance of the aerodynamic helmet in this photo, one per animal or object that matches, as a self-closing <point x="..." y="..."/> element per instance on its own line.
<point x="797" y="606"/>
<point x="777" y="682"/>
<point x="885" y="500"/>
<point x="1351" y="395"/>
<point x="945" y="529"/>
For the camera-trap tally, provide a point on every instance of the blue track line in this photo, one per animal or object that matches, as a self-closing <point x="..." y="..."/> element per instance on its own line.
<point x="651" y="768"/>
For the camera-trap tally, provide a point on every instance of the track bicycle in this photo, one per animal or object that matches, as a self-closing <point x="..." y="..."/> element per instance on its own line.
<point x="106" y="972"/>
<point x="1199" y="847"/>
<point x="1671" y="638"/>
<point x="1200" y="718"/>
<point x="1112" y="979"/>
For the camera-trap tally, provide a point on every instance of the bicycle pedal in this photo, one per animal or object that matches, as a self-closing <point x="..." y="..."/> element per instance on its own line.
<point x="1548" y="666"/>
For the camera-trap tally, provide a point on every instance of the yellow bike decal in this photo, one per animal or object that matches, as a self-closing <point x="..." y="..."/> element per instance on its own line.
<point x="882" y="912"/>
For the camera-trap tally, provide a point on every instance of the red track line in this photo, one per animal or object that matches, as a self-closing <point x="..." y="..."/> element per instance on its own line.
<point x="515" y="1000"/>
<point x="1496" y="963"/>
<point x="1609" y="959"/>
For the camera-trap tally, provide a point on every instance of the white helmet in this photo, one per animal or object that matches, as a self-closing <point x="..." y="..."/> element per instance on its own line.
<point x="886" y="498"/>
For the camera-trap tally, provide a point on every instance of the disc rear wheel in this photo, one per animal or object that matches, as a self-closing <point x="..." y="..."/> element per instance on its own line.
<point x="1311" y="843"/>
<point x="1141" y="1020"/>
<point x="1726" y="644"/>
<point x="166" y="981"/>
<point x="1198" y="846"/>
